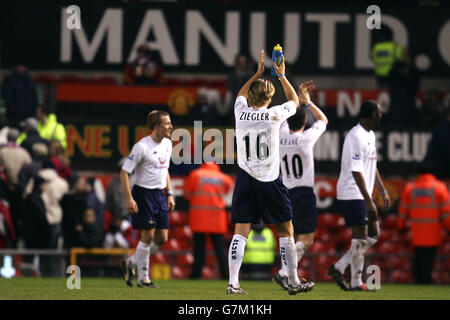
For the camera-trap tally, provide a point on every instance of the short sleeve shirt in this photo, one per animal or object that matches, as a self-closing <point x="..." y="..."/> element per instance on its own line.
<point x="257" y="138"/>
<point x="150" y="161"/>
<point x="359" y="154"/>
<point x="297" y="156"/>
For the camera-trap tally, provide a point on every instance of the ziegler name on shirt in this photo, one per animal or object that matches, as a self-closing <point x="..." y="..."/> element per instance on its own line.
<point x="250" y="116"/>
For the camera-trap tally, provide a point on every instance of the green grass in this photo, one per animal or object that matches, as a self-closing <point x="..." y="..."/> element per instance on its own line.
<point x="111" y="288"/>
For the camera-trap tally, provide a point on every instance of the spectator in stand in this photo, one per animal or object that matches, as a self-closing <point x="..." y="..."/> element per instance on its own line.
<point x="19" y="94"/>
<point x="144" y="70"/>
<point x="59" y="159"/>
<point x="94" y="202"/>
<point x="73" y="204"/>
<point x="432" y="109"/>
<point x="438" y="154"/>
<point x="36" y="231"/>
<point x="205" y="189"/>
<point x="48" y="126"/>
<point x="29" y="171"/>
<point x="89" y="235"/>
<point x="242" y="72"/>
<point x="119" y="234"/>
<point x="403" y="87"/>
<point x="81" y="197"/>
<point x="12" y="158"/>
<point x="7" y="232"/>
<point x="3" y="132"/>
<point x="426" y="204"/>
<point x="56" y="188"/>
<point x="30" y="135"/>
<point x="115" y="199"/>
<point x="385" y="53"/>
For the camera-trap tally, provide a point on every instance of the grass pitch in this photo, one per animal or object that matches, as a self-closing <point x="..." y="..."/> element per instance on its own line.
<point x="115" y="289"/>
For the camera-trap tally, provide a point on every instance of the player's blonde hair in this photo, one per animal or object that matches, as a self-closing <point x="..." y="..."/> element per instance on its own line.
<point x="260" y="92"/>
<point x="154" y="118"/>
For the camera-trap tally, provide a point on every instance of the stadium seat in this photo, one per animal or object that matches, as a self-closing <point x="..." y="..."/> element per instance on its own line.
<point x="175" y="245"/>
<point x="304" y="263"/>
<point x="344" y="235"/>
<point x="208" y="273"/>
<point x="445" y="249"/>
<point x="389" y="222"/>
<point x="183" y="233"/>
<point x="400" y="263"/>
<point x="210" y="260"/>
<point x="400" y="276"/>
<point x="180" y="273"/>
<point x="159" y="257"/>
<point x="320" y="246"/>
<point x="177" y="218"/>
<point x="184" y="259"/>
<point x="330" y="220"/>
<point x="388" y="247"/>
<point x="320" y="232"/>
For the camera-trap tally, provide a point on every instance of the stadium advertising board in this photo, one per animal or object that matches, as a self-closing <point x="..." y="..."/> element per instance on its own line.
<point x="100" y="145"/>
<point x="317" y="39"/>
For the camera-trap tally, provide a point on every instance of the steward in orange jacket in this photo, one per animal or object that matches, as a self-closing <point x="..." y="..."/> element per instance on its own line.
<point x="205" y="189"/>
<point x="426" y="204"/>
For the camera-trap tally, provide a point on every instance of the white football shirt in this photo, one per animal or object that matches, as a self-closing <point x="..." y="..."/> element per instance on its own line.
<point x="296" y="154"/>
<point x="150" y="160"/>
<point x="257" y="138"/>
<point x="359" y="154"/>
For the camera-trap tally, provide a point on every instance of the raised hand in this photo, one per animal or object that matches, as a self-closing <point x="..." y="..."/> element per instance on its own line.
<point x="280" y="69"/>
<point x="260" y="70"/>
<point x="304" y="89"/>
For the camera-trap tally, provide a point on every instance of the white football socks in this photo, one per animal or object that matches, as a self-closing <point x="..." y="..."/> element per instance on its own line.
<point x="142" y="258"/>
<point x="300" y="247"/>
<point x="235" y="256"/>
<point x="289" y="259"/>
<point x="358" y="249"/>
<point x="153" y="248"/>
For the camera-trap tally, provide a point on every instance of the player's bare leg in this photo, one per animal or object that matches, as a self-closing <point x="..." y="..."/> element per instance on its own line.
<point x="235" y="256"/>
<point x="302" y="243"/>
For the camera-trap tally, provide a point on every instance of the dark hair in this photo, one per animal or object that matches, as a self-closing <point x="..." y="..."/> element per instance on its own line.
<point x="154" y="118"/>
<point x="45" y="108"/>
<point x="367" y="109"/>
<point x="298" y="120"/>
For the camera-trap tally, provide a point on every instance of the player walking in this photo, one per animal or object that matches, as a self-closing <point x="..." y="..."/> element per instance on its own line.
<point x="147" y="203"/>
<point x="297" y="167"/>
<point x="354" y="193"/>
<point x="259" y="191"/>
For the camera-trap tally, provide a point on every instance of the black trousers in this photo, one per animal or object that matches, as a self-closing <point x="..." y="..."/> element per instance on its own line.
<point x="199" y="254"/>
<point x="423" y="263"/>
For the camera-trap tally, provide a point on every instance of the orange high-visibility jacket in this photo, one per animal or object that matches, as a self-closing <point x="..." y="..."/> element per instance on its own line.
<point x="205" y="189"/>
<point x="425" y="202"/>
